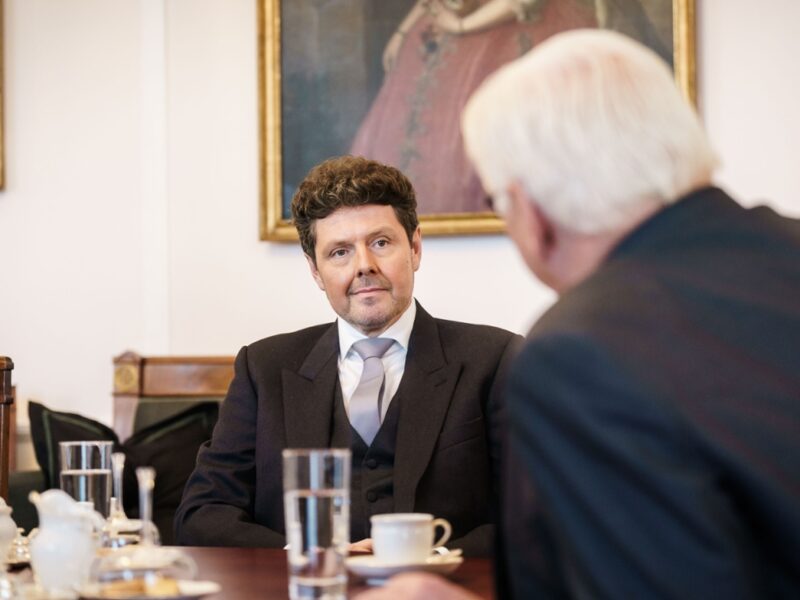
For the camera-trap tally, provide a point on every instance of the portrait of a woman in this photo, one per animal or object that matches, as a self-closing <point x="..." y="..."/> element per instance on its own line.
<point x="438" y="55"/>
<point x="388" y="80"/>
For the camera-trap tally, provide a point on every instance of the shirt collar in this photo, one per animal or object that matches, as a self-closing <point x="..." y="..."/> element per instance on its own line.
<point x="400" y="331"/>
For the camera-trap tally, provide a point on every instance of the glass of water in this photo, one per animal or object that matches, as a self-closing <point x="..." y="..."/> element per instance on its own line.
<point x="86" y="472"/>
<point x="316" y="501"/>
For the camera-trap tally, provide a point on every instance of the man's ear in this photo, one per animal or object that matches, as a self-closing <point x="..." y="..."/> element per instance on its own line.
<point x="416" y="248"/>
<point x="531" y="230"/>
<point x="547" y="237"/>
<point x="315" y="272"/>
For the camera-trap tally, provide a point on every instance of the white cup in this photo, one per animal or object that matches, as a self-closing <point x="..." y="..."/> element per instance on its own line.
<point x="406" y="538"/>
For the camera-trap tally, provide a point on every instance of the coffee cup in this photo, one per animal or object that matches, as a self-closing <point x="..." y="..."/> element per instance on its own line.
<point x="406" y="538"/>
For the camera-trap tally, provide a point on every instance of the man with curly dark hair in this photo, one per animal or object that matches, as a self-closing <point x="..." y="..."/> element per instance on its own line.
<point x="426" y="443"/>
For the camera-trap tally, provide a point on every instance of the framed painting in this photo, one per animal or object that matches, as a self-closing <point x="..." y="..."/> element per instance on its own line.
<point x="388" y="80"/>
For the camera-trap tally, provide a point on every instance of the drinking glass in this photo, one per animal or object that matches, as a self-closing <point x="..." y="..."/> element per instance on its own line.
<point x="316" y="501"/>
<point x="86" y="472"/>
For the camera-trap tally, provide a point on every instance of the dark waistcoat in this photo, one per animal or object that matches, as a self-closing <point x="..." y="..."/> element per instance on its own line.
<point x="372" y="476"/>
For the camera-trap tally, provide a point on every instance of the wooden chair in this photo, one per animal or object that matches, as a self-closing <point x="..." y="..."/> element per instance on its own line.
<point x="6" y="414"/>
<point x="149" y="388"/>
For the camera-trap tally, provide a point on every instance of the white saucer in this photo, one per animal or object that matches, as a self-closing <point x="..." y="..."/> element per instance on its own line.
<point x="376" y="572"/>
<point x="30" y="591"/>
<point x="188" y="590"/>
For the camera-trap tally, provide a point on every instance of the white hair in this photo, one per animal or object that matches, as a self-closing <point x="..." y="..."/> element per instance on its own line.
<point x="593" y="127"/>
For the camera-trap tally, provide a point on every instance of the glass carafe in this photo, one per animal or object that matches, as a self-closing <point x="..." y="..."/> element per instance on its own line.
<point x="145" y="569"/>
<point x="120" y="531"/>
<point x="146" y="476"/>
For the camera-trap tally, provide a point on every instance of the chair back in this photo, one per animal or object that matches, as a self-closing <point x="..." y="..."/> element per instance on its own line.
<point x="150" y="388"/>
<point x="6" y="405"/>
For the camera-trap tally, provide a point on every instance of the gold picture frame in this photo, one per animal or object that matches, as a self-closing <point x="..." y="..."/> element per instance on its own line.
<point x="275" y="222"/>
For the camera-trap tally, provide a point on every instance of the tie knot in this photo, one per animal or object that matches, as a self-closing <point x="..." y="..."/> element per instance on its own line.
<point x="372" y="347"/>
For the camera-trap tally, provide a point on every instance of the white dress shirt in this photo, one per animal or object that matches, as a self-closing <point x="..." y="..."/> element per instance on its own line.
<point x="394" y="361"/>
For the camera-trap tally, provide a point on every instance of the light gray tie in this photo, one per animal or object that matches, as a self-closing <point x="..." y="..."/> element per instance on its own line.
<point x="364" y="409"/>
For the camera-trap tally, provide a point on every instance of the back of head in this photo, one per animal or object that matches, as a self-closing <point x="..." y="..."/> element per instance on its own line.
<point x="594" y="128"/>
<point x="350" y="181"/>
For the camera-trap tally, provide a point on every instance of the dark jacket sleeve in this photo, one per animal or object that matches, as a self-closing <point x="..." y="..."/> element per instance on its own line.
<point x="217" y="504"/>
<point x="609" y="498"/>
<point x="480" y="541"/>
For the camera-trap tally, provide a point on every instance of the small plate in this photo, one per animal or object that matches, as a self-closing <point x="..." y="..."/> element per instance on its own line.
<point x="188" y="590"/>
<point x="31" y="591"/>
<point x="376" y="571"/>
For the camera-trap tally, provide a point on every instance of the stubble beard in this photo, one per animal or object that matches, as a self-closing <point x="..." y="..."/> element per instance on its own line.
<point x="369" y="315"/>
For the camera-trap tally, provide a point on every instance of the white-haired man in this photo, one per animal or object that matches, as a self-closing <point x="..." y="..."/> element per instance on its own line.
<point x="654" y="415"/>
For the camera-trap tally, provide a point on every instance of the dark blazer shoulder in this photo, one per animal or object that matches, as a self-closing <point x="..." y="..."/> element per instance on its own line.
<point x="473" y="337"/>
<point x="461" y="328"/>
<point x="287" y="348"/>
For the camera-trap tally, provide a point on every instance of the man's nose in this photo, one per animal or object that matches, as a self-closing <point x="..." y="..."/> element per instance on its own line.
<point x="365" y="261"/>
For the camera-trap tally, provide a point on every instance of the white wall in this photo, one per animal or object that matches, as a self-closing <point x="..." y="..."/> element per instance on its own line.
<point x="70" y="232"/>
<point x="130" y="215"/>
<point x="750" y="87"/>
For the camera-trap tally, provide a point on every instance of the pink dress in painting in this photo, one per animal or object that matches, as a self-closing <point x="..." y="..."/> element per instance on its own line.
<point x="413" y="123"/>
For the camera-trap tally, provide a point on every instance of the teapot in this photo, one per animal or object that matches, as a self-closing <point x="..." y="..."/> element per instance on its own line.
<point x="63" y="550"/>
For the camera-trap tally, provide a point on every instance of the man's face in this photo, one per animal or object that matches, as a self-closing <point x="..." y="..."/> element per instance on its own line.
<point x="365" y="265"/>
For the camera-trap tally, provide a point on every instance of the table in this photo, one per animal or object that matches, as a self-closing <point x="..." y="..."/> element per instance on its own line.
<point x="249" y="573"/>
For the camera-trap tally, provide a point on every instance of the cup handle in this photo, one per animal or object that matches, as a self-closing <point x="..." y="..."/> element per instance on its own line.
<point x="444" y="524"/>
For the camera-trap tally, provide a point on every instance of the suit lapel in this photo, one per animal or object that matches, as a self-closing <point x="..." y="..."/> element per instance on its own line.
<point x="308" y="394"/>
<point x="425" y="393"/>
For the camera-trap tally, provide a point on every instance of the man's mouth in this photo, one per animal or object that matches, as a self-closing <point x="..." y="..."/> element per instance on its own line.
<point x="367" y="290"/>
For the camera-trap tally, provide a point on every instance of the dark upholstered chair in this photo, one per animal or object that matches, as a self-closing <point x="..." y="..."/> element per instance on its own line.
<point x="147" y="390"/>
<point x="150" y="388"/>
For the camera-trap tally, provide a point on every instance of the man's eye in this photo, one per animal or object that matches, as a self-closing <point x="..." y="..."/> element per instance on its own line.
<point x="382" y="243"/>
<point x="338" y="253"/>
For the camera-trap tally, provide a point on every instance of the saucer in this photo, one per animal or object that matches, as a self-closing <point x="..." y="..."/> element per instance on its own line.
<point x="31" y="591"/>
<point x="138" y="558"/>
<point x="376" y="571"/>
<point x="188" y="590"/>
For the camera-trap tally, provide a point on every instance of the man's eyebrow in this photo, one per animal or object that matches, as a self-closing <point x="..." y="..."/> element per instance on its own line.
<point x="387" y="231"/>
<point x="336" y="244"/>
<point x="380" y="231"/>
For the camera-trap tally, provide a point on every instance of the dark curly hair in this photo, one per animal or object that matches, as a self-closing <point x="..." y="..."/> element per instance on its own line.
<point x="348" y="181"/>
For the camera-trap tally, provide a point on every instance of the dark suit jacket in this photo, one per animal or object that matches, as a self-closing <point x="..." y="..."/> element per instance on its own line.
<point x="282" y="396"/>
<point x="655" y="418"/>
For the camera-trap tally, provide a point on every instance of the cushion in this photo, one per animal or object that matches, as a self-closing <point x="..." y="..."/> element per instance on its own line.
<point x="169" y="446"/>
<point x="153" y="409"/>
<point x="49" y="427"/>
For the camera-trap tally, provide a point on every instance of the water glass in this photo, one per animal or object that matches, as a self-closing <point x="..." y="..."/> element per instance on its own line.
<point x="316" y="500"/>
<point x="86" y="472"/>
